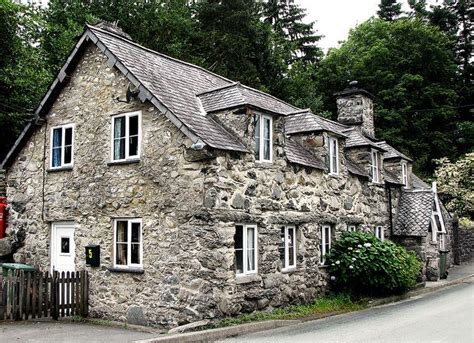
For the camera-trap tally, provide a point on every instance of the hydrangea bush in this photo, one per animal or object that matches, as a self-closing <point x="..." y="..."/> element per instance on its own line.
<point x="362" y="264"/>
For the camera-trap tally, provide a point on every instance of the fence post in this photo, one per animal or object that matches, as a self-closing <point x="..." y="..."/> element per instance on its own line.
<point x="54" y="296"/>
<point x="84" y="294"/>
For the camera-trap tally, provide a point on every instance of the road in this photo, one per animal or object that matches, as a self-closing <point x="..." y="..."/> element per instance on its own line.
<point x="442" y="316"/>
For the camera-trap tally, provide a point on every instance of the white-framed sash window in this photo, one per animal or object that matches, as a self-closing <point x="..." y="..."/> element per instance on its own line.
<point x="405" y="174"/>
<point x="128" y="245"/>
<point x="126" y="136"/>
<point x="245" y="249"/>
<point x="325" y="242"/>
<point x="263" y="136"/>
<point x="379" y="232"/>
<point x="375" y="166"/>
<point x="62" y="146"/>
<point x="287" y="247"/>
<point x="333" y="156"/>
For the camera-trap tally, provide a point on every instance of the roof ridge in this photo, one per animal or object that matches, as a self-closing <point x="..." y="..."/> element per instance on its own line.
<point x="157" y="53"/>
<point x="234" y="84"/>
<point x="267" y="94"/>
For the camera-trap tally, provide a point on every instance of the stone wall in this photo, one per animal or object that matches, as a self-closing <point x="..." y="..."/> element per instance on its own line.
<point x="189" y="209"/>
<point x="356" y="110"/>
<point x="466" y="243"/>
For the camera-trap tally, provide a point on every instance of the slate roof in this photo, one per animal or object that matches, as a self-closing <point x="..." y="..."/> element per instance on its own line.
<point x="419" y="183"/>
<point x="296" y="153"/>
<point x="391" y="152"/>
<point x="414" y="213"/>
<point x="355" y="169"/>
<point x="305" y="121"/>
<point x="236" y="95"/>
<point x="391" y="177"/>
<point x="357" y="139"/>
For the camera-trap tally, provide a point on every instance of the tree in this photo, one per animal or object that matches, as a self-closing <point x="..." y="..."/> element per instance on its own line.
<point x="456" y="184"/>
<point x="389" y="10"/>
<point x="24" y="75"/>
<point x="409" y="67"/>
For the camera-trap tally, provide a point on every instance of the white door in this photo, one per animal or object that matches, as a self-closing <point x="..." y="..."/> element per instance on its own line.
<point x="63" y="247"/>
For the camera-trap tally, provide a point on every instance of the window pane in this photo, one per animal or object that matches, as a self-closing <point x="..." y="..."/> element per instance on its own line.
<point x="57" y="137"/>
<point x="119" y="149"/>
<point x="65" y="249"/>
<point x="239" y="261"/>
<point x="133" y="122"/>
<point x="56" y="158"/>
<point x="135" y="232"/>
<point x="291" y="247"/>
<point x="238" y="237"/>
<point x="122" y="231"/>
<point x="68" y="136"/>
<point x="257" y="137"/>
<point x="133" y="146"/>
<point x="250" y="249"/>
<point x="121" y="252"/>
<point x="281" y="247"/>
<point x="67" y="154"/>
<point x="135" y="253"/>
<point x="119" y="127"/>
<point x="266" y="128"/>
<point x="266" y="149"/>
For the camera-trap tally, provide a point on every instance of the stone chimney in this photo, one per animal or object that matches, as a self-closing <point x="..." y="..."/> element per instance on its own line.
<point x="355" y="108"/>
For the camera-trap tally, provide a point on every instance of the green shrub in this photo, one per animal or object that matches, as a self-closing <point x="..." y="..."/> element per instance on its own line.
<point x="362" y="264"/>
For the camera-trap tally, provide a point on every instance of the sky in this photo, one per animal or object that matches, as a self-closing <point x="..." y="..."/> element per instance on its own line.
<point x="334" y="18"/>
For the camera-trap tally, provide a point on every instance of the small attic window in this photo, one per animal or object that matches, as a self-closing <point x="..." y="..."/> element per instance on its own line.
<point x="263" y="137"/>
<point x="405" y="174"/>
<point x="333" y="156"/>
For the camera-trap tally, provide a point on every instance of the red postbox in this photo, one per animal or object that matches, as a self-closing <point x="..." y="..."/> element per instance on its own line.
<point x="3" y="216"/>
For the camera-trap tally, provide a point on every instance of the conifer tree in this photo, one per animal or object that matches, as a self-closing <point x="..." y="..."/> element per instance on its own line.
<point x="389" y="10"/>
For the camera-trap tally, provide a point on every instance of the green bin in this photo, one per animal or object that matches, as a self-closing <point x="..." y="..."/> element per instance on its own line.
<point x="16" y="266"/>
<point x="442" y="264"/>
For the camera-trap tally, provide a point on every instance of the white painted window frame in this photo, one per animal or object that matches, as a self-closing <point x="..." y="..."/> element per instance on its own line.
<point x="63" y="145"/>
<point x="324" y="241"/>
<point x="261" y="118"/>
<point x="435" y="230"/>
<point x="129" y="265"/>
<point x="127" y="116"/>
<point x="245" y="270"/>
<point x="405" y="174"/>
<point x="352" y="227"/>
<point x="379" y="232"/>
<point x="375" y="168"/>
<point x="333" y="169"/>
<point x="287" y="265"/>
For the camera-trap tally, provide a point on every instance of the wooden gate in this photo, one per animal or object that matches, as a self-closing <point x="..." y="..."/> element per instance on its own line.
<point x="29" y="295"/>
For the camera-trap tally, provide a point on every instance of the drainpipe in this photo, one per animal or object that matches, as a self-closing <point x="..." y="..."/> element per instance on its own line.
<point x="390" y="210"/>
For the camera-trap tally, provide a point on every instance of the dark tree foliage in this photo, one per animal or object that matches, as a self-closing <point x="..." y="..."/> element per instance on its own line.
<point x="389" y="10"/>
<point x="409" y="67"/>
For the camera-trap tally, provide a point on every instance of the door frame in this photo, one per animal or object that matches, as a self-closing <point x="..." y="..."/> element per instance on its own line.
<point x="53" y="246"/>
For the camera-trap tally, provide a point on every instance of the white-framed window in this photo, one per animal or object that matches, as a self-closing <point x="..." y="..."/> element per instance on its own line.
<point x="263" y="136"/>
<point x="287" y="247"/>
<point x="352" y="227"/>
<point x="333" y="156"/>
<point x="128" y="245"/>
<point x="62" y="146"/>
<point x="374" y="166"/>
<point x="325" y="243"/>
<point x="245" y="249"/>
<point x="405" y="174"/>
<point x="379" y="233"/>
<point x="126" y="136"/>
<point x="437" y="222"/>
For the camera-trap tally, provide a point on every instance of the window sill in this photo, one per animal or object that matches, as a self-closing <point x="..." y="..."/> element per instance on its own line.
<point x="247" y="278"/>
<point x="131" y="161"/>
<point x="127" y="270"/>
<point x="264" y="164"/>
<point x="60" y="169"/>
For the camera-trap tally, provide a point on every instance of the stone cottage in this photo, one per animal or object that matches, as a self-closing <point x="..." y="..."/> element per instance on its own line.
<point x="207" y="198"/>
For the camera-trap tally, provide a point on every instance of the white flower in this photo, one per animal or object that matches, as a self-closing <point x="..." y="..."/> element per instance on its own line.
<point x="357" y="251"/>
<point x="333" y="278"/>
<point x="367" y="245"/>
<point x="350" y="248"/>
<point x="351" y="267"/>
<point x="332" y="264"/>
<point x="359" y="246"/>
<point x="338" y="262"/>
<point x="353" y="259"/>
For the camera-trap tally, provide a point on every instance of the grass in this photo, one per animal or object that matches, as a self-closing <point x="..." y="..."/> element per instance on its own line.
<point x="321" y="306"/>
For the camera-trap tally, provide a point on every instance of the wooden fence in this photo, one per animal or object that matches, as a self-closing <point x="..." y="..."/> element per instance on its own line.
<point x="29" y="295"/>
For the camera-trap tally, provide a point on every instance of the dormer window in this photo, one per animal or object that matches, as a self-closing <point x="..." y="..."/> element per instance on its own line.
<point x="333" y="156"/>
<point x="375" y="166"/>
<point x="405" y="174"/>
<point x="263" y="138"/>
